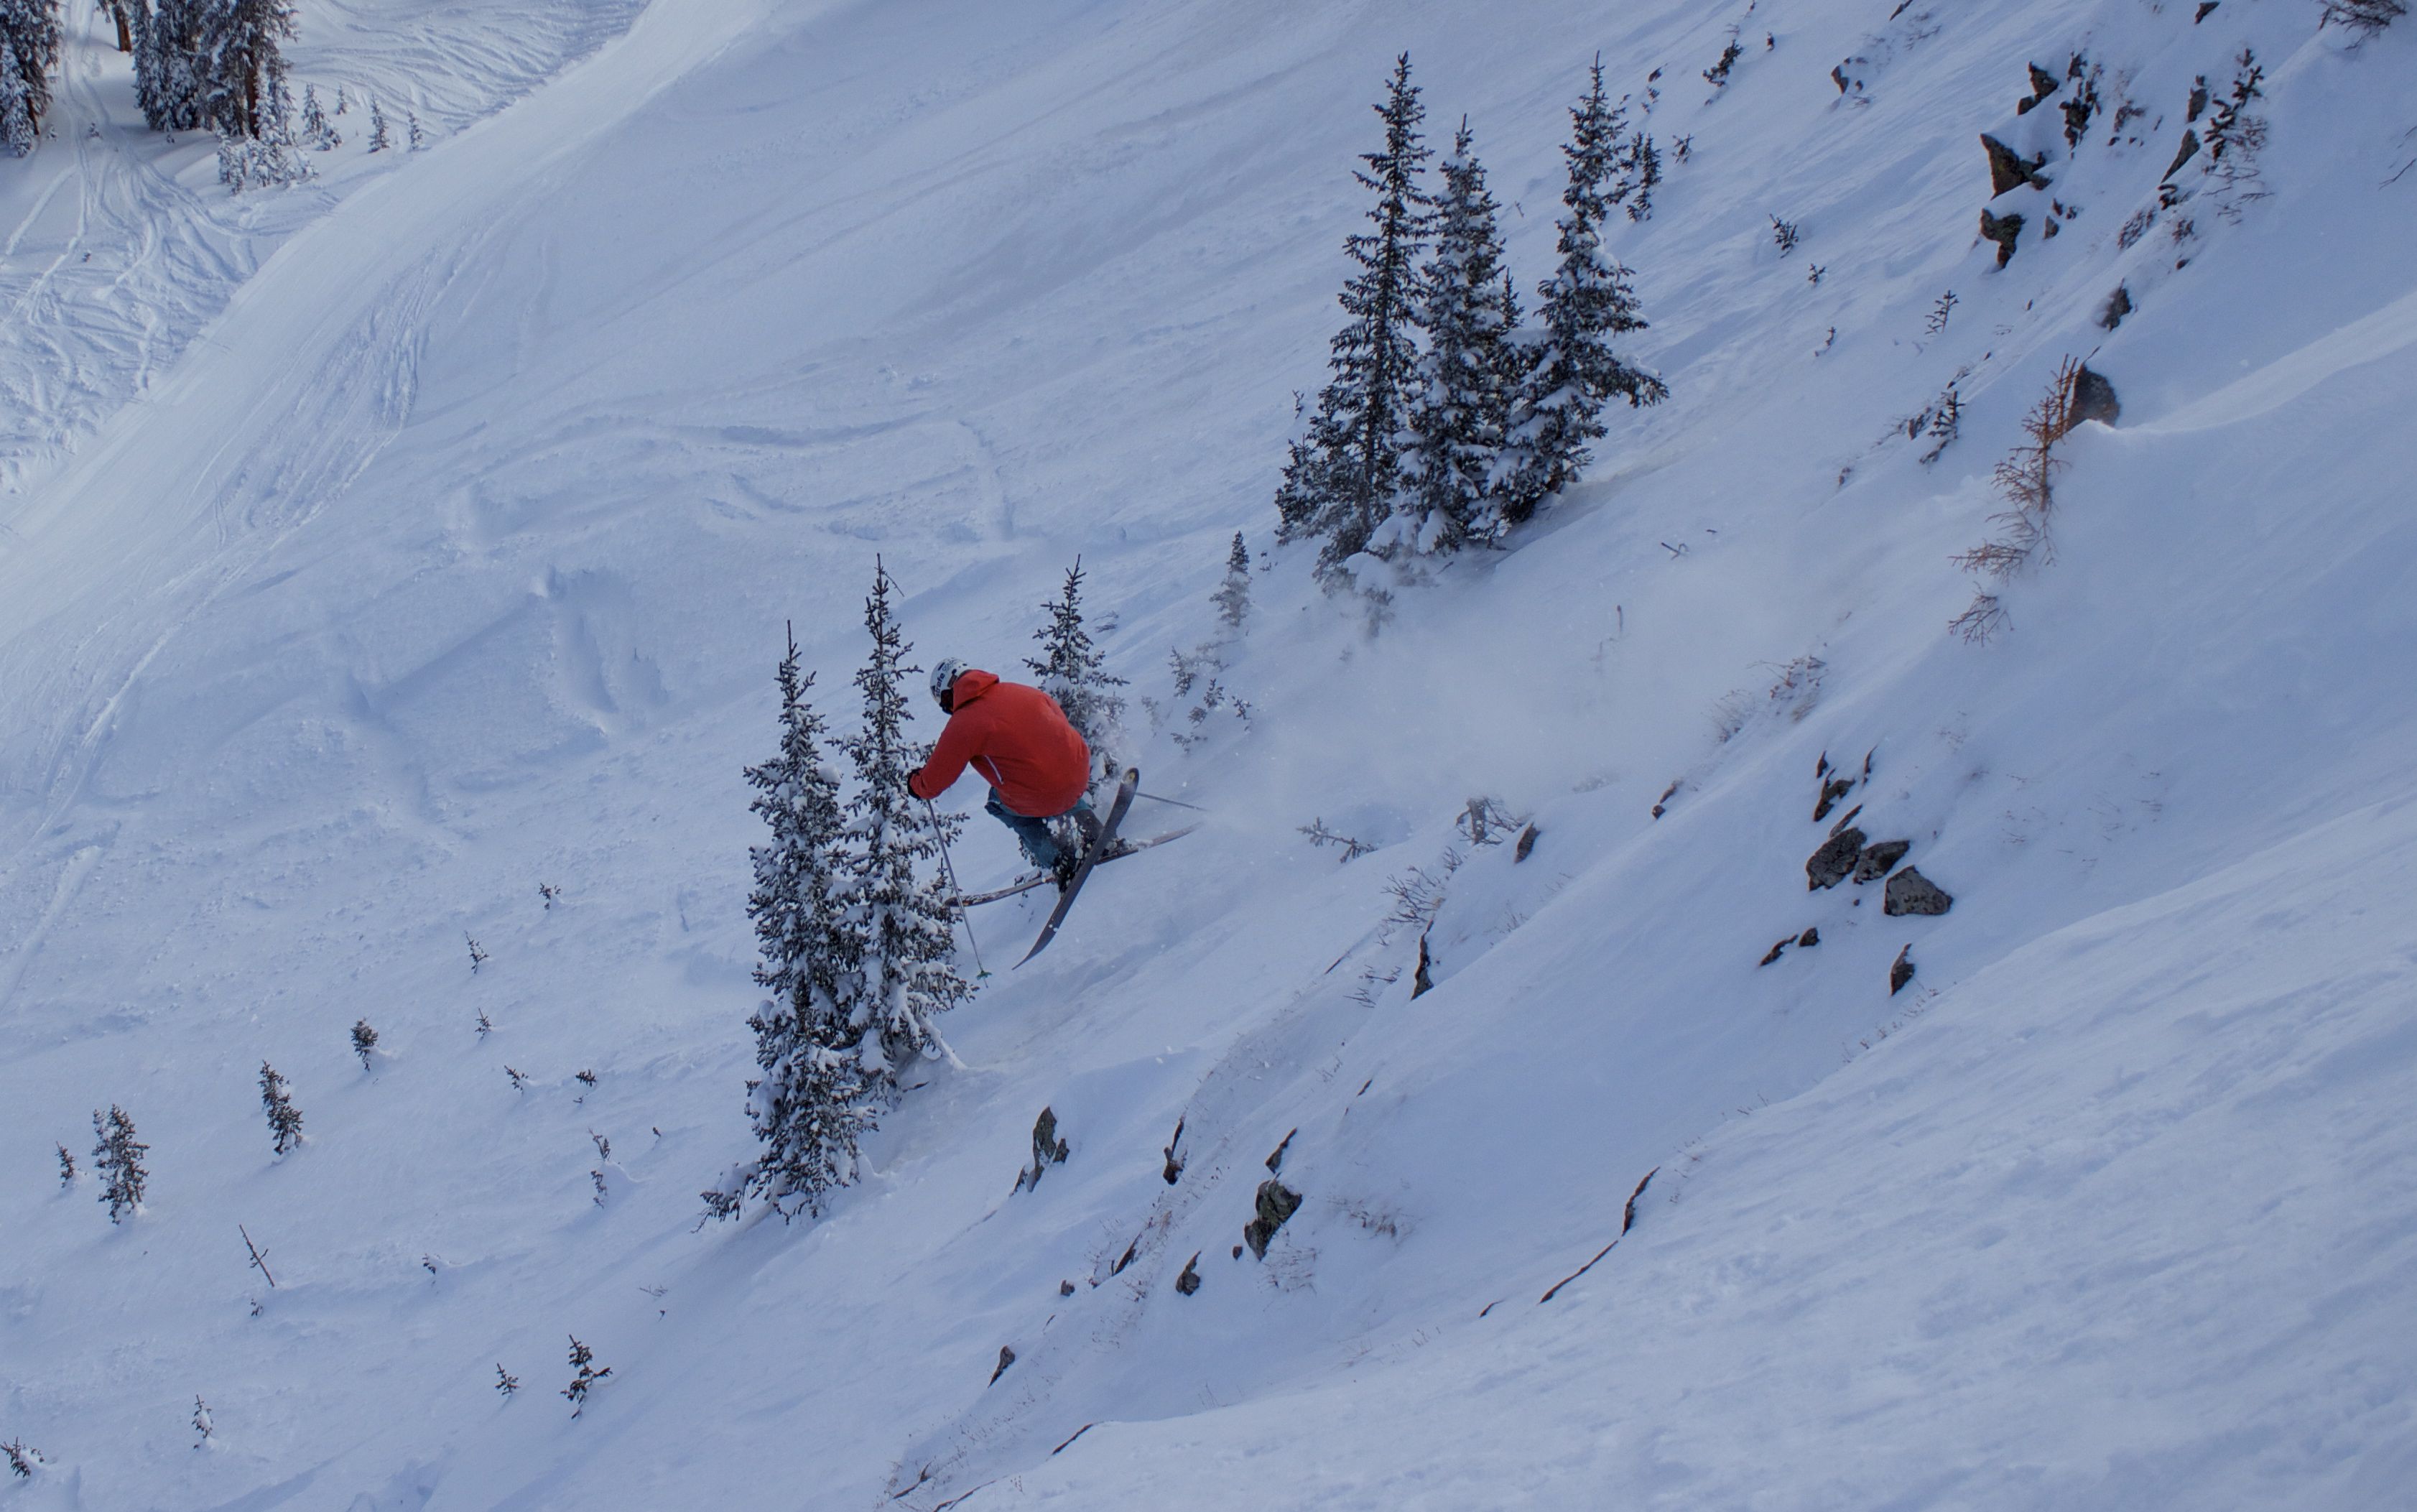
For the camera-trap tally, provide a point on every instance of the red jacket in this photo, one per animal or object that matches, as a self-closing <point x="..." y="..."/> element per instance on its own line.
<point x="1015" y="736"/>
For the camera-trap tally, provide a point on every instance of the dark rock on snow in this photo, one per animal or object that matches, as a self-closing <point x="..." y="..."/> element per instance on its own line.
<point x="2094" y="397"/>
<point x="1188" y="1281"/>
<point x="1808" y="939"/>
<point x="2009" y="169"/>
<point x="2003" y="229"/>
<point x="1831" y="865"/>
<point x="1878" y="858"/>
<point x="1900" y="970"/>
<point x="1276" y="1204"/>
<point x="1909" y="892"/>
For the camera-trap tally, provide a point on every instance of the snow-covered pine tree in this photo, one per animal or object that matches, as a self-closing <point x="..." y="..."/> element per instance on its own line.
<point x="17" y="132"/>
<point x="67" y="1167"/>
<point x="1460" y="407"/>
<point x="813" y="1102"/>
<point x="1233" y="599"/>
<point x="1071" y="670"/>
<point x="379" y="141"/>
<point x="118" y="1157"/>
<point x="169" y="72"/>
<point x="243" y="68"/>
<point x="284" y="1119"/>
<point x="1587" y="302"/>
<point x="29" y="50"/>
<point x="318" y="134"/>
<point x="909" y="976"/>
<point x="1341" y="481"/>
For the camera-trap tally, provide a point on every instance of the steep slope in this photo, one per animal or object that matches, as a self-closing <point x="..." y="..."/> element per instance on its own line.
<point x="454" y="559"/>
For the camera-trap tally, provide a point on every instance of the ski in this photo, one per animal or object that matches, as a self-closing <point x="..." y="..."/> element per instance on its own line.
<point x="1117" y="852"/>
<point x="1091" y="857"/>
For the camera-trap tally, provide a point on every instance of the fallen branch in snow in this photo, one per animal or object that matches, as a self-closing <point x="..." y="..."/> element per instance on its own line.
<point x="1627" y="1221"/>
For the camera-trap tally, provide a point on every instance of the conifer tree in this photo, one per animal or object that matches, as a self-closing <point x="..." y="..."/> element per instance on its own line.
<point x="29" y="50"/>
<point x="813" y="1102"/>
<point x="122" y="12"/>
<point x="17" y="132"/>
<point x="1341" y="479"/>
<point x="118" y="1157"/>
<point x="169" y="76"/>
<point x="1233" y="600"/>
<point x="243" y="70"/>
<point x="1071" y="670"/>
<point x="67" y="1167"/>
<point x="1587" y="302"/>
<point x="908" y="977"/>
<point x="1460" y="413"/>
<point x="284" y="1119"/>
<point x="379" y="141"/>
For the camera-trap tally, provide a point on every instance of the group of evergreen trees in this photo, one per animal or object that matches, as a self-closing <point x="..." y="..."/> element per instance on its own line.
<point x="1446" y="419"/>
<point x="854" y="925"/>
<point x="199" y="65"/>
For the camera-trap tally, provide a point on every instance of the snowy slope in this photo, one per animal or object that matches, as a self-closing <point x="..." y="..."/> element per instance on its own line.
<point x="446" y="551"/>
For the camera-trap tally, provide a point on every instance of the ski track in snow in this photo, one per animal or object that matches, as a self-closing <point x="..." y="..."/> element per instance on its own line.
<point x="373" y="552"/>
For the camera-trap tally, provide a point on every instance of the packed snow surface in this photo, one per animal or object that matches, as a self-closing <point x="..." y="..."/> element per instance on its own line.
<point x="376" y="551"/>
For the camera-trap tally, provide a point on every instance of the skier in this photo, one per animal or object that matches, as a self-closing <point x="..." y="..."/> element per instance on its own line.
<point x="1038" y="766"/>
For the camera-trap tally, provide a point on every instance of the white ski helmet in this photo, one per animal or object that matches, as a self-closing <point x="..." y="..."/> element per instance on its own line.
<point x="945" y="674"/>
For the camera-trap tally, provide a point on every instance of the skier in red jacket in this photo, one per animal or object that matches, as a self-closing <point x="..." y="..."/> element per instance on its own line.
<point x="1038" y="764"/>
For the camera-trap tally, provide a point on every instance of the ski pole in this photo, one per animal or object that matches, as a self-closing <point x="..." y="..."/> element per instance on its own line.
<point x="1177" y="802"/>
<point x="956" y="888"/>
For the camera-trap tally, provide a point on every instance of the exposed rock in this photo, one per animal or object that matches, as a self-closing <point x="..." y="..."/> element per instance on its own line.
<point x="2009" y="169"/>
<point x="1275" y="1161"/>
<point x="1901" y="970"/>
<point x="2094" y="398"/>
<point x="2198" y="99"/>
<point x="1127" y="1258"/>
<point x="1831" y="865"/>
<point x="1527" y="844"/>
<point x="2185" y="153"/>
<point x="1808" y="939"/>
<point x="1188" y="1281"/>
<point x="1047" y="1149"/>
<point x="1909" y="892"/>
<point x="1878" y="858"/>
<point x="1065" y="1288"/>
<point x="1771" y="955"/>
<point x="1276" y="1204"/>
<point x="1006" y="1358"/>
<point x="1421" y="981"/>
<point x="2118" y="305"/>
<point x="2044" y="84"/>
<point x="1174" y="1171"/>
<point x="1845" y="818"/>
<point x="1833" y="791"/>
<point x="2003" y="230"/>
<point x="2205" y="8"/>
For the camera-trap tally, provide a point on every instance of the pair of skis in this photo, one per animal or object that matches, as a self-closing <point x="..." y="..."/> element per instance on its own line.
<point x="1105" y="847"/>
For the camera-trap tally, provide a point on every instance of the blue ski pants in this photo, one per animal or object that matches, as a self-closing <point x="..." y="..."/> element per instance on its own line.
<point x="1032" y="830"/>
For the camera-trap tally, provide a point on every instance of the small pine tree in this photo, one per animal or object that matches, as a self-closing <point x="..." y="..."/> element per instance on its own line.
<point x="1071" y="671"/>
<point x="1460" y="412"/>
<point x="364" y="1041"/>
<point x="202" y="1424"/>
<point x="418" y="138"/>
<point x="118" y="1157"/>
<point x="284" y="1119"/>
<point x="379" y="141"/>
<point x="1233" y="600"/>
<point x="582" y="1362"/>
<point x="506" y="1382"/>
<point x="909" y="977"/>
<point x="23" y="1458"/>
<point x="1587" y="302"/>
<point x="1341" y="481"/>
<point x="318" y="132"/>
<point x="66" y="1167"/>
<point x="812" y="1104"/>
<point x="1641" y="170"/>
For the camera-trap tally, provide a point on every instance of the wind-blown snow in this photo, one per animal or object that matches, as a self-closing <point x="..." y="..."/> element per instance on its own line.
<point x="374" y="552"/>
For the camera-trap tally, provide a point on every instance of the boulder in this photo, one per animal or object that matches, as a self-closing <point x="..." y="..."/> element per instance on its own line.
<point x="1188" y="1281"/>
<point x="2094" y="398"/>
<point x="1832" y="864"/>
<point x="1900" y="970"/>
<point x="2003" y="229"/>
<point x="1276" y="1202"/>
<point x="2009" y="169"/>
<point x="1909" y="892"/>
<point x="1878" y="857"/>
